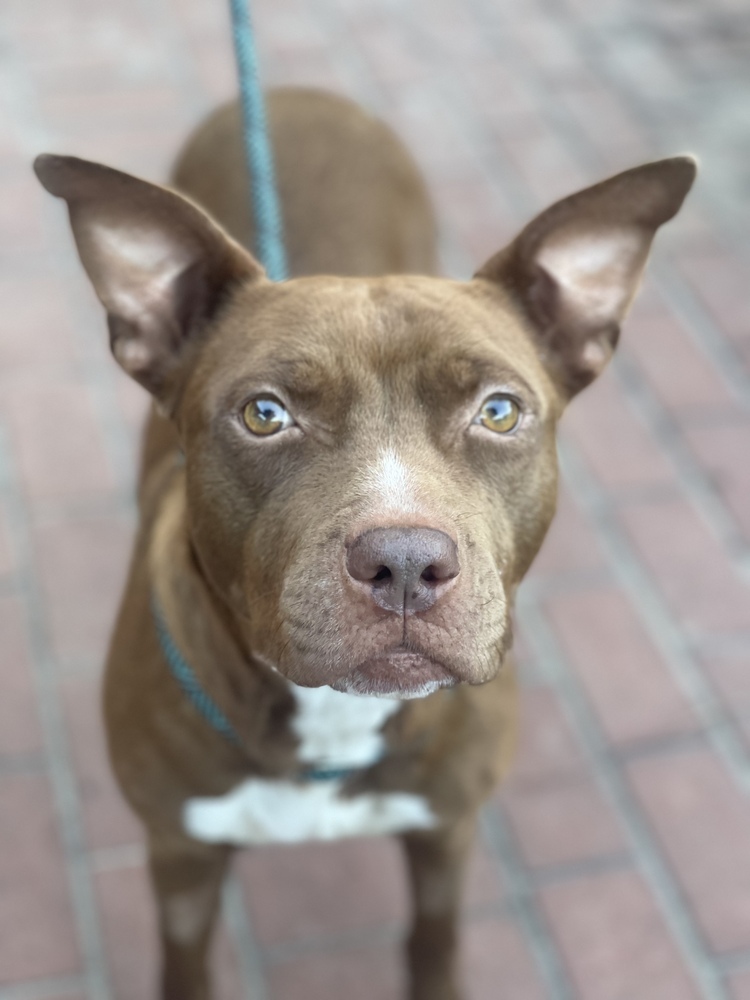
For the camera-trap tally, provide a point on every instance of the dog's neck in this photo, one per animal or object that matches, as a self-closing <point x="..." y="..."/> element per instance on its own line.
<point x="257" y="702"/>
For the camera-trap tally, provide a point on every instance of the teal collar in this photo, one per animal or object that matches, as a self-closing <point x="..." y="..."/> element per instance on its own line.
<point x="204" y="704"/>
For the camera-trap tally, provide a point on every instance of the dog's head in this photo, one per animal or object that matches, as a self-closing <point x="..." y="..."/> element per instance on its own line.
<point x="370" y="463"/>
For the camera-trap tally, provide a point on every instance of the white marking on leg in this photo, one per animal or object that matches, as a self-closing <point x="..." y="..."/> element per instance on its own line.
<point x="186" y="914"/>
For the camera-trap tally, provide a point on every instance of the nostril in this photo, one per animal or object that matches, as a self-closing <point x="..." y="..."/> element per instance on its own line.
<point x="439" y="572"/>
<point x="383" y="573"/>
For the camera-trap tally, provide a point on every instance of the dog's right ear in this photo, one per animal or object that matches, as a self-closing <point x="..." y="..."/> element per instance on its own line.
<point x="158" y="264"/>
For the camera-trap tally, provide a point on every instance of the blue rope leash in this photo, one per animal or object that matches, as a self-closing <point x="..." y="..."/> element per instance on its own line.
<point x="269" y="237"/>
<point x="184" y="675"/>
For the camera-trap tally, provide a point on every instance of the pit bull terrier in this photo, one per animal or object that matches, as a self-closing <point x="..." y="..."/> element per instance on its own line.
<point x="343" y="481"/>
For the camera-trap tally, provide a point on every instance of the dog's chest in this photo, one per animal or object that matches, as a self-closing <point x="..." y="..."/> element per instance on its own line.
<point x="336" y="731"/>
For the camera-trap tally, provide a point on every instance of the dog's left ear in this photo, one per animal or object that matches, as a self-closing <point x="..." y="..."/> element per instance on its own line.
<point x="158" y="264"/>
<point x="575" y="268"/>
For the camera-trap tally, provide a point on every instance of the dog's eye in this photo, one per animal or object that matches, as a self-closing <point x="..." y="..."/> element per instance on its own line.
<point x="499" y="414"/>
<point x="265" y="415"/>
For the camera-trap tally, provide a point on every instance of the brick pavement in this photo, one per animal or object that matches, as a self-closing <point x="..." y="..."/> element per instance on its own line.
<point x="615" y="865"/>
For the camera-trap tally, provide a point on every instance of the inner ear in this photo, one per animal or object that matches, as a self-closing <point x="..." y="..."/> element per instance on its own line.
<point x="158" y="264"/>
<point x="576" y="268"/>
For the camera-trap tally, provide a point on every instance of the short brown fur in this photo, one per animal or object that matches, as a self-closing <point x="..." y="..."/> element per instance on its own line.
<point x="243" y="542"/>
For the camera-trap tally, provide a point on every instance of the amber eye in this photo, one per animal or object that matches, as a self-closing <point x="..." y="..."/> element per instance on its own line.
<point x="265" y="415"/>
<point x="499" y="414"/>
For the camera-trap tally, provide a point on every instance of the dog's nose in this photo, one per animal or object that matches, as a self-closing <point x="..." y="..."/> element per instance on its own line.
<point x="406" y="569"/>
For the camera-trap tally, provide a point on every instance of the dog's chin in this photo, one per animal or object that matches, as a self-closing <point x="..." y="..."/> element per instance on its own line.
<point x="396" y="674"/>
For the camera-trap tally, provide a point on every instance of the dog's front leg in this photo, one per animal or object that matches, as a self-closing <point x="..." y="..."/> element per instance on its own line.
<point x="187" y="878"/>
<point x="436" y="861"/>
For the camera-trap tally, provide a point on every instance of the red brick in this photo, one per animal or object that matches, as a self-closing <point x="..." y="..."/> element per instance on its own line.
<point x="7" y="555"/>
<point x="451" y="23"/>
<point x="394" y="61"/>
<point x="21" y="209"/>
<point x="482" y="887"/>
<point x="87" y="110"/>
<point x="614" y="940"/>
<point x="721" y="282"/>
<point x="614" y="438"/>
<point x="548" y="752"/>
<point x="144" y="149"/>
<point x="547" y="43"/>
<point x="619" y="139"/>
<point x="562" y="823"/>
<point x="474" y="215"/>
<point x="19" y="722"/>
<point x="730" y="674"/>
<point x="680" y="373"/>
<point x="131" y="941"/>
<point x="107" y="819"/>
<point x="496" y="962"/>
<point x="739" y="986"/>
<point x="298" y="893"/>
<point x="372" y="973"/>
<point x="56" y="438"/>
<point x="435" y="136"/>
<point x="625" y="677"/>
<point x="37" y="332"/>
<point x="544" y="164"/>
<point x="83" y="564"/>
<point x="721" y="449"/>
<point x="689" y="565"/>
<point x="215" y="72"/>
<point x="133" y="401"/>
<point x="37" y="937"/>
<point x="485" y="75"/>
<point x="703" y="821"/>
<point x="571" y="543"/>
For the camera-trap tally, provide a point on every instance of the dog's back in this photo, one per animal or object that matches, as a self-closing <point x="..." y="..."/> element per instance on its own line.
<point x="353" y="200"/>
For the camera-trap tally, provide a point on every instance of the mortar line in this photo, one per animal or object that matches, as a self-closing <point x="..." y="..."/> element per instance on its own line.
<point x="43" y="989"/>
<point x="247" y="948"/>
<point x="384" y="933"/>
<point x="608" y="774"/>
<point x="522" y="905"/>
<point x="656" y="617"/>
<point x="730" y="962"/>
<point x="56" y="748"/>
<point x="572" y="871"/>
<point x="691" y="476"/>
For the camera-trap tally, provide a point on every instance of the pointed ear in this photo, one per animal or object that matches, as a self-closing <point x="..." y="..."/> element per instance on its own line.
<point x="576" y="267"/>
<point x="159" y="265"/>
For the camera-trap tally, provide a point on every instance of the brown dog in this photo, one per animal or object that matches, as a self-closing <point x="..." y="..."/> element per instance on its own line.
<point x="345" y="481"/>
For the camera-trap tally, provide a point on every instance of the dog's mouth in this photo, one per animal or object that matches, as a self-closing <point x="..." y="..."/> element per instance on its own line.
<point x="396" y="673"/>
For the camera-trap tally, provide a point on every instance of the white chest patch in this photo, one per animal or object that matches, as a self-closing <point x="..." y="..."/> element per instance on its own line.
<point x="263" y="812"/>
<point x="335" y="730"/>
<point x="340" y="730"/>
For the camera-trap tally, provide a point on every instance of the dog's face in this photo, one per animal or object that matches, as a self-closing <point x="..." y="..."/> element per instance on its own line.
<point x="370" y="470"/>
<point x="370" y="462"/>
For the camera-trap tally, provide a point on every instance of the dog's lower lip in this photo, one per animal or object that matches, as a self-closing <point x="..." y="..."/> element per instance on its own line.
<point x="398" y="673"/>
